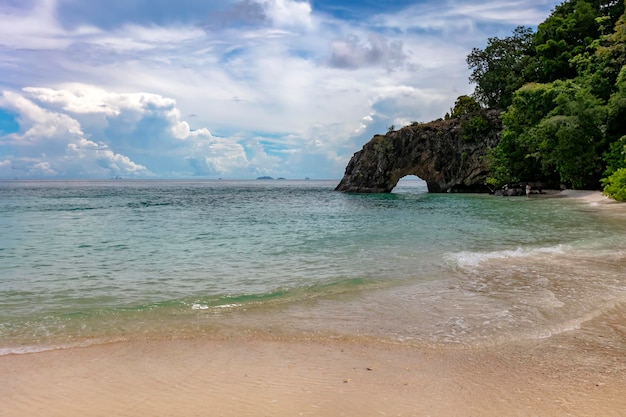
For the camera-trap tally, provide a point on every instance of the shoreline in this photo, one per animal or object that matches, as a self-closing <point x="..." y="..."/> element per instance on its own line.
<point x="590" y="196"/>
<point x="579" y="372"/>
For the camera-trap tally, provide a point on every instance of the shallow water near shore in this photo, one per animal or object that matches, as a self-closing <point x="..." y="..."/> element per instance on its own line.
<point x="87" y="262"/>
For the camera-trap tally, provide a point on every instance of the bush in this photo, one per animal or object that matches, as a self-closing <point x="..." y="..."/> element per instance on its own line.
<point x="615" y="185"/>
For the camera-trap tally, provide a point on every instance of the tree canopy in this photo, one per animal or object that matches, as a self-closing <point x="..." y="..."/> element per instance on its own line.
<point x="562" y="89"/>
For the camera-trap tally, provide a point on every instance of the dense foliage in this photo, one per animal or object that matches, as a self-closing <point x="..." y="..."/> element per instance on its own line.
<point x="562" y="90"/>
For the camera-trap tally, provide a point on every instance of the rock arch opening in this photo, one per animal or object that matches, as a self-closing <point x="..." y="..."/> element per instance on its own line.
<point x="436" y="152"/>
<point x="410" y="183"/>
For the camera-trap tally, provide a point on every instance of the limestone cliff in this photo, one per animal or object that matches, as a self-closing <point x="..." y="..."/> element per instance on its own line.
<point x="447" y="154"/>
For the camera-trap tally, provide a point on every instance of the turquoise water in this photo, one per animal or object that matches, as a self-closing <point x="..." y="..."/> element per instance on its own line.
<point x="91" y="261"/>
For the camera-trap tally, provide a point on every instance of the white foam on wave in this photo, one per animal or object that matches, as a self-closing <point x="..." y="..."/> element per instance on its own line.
<point x="198" y="306"/>
<point x="28" y="349"/>
<point x="23" y="350"/>
<point x="467" y="259"/>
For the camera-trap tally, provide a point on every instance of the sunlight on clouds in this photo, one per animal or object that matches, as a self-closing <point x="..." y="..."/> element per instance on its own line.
<point x="104" y="158"/>
<point x="82" y="98"/>
<point x="60" y="145"/>
<point x="6" y="168"/>
<point x="401" y="104"/>
<point x="53" y="144"/>
<point x="42" y="168"/>
<point x="217" y="156"/>
<point x="210" y="155"/>
<point x="260" y="162"/>
<point x="75" y="99"/>
<point x="36" y="122"/>
<point x="364" y="123"/>
<point x="85" y="99"/>
<point x="288" y="13"/>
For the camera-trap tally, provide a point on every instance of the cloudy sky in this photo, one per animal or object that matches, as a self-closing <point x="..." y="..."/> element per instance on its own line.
<point x="228" y="88"/>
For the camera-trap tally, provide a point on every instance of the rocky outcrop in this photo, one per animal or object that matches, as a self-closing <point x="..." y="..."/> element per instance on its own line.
<point x="447" y="154"/>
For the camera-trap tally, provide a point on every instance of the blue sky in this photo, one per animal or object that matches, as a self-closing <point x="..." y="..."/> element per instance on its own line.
<point x="231" y="88"/>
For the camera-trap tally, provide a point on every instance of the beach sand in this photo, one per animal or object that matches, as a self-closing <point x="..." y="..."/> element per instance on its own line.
<point x="581" y="372"/>
<point x="592" y="197"/>
<point x="563" y="376"/>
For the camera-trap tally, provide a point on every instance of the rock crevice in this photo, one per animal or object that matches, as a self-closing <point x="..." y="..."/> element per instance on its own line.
<point x="447" y="154"/>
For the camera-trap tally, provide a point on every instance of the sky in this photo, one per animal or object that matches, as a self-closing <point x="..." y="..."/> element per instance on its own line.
<point x="230" y="88"/>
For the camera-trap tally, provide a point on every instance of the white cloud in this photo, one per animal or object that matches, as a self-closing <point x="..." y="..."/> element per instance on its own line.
<point x="37" y="28"/>
<point x="53" y="144"/>
<point x="289" y="13"/>
<point x="465" y="16"/>
<point x="285" y="90"/>
<point x="85" y="99"/>
<point x="218" y="157"/>
<point x="6" y="169"/>
<point x="97" y="160"/>
<point x="131" y="38"/>
<point x="352" y="53"/>
<point x="513" y="12"/>
<point x="139" y="122"/>
<point x="37" y="123"/>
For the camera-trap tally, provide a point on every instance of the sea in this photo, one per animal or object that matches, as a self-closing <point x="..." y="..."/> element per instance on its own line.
<point x="89" y="262"/>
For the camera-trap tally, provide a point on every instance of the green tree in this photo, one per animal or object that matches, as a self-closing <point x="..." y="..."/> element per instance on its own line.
<point x="570" y="139"/>
<point x="499" y="69"/>
<point x="564" y="90"/>
<point x="606" y="56"/>
<point x="517" y="157"/>
<point x="616" y="127"/>
<point x="464" y="106"/>
<point x="553" y="132"/>
<point x="615" y="158"/>
<point x="568" y="32"/>
<point x="474" y="124"/>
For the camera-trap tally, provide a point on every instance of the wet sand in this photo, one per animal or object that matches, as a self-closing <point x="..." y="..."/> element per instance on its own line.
<point x="577" y="374"/>
<point x="581" y="372"/>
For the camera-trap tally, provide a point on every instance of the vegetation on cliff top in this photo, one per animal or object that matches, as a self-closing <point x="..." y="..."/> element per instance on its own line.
<point x="562" y="90"/>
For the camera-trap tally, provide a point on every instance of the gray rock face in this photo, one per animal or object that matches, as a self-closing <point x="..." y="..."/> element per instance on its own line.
<point x="447" y="154"/>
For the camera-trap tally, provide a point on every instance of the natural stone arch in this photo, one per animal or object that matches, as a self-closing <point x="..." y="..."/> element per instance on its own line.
<point x="409" y="181"/>
<point x="438" y="152"/>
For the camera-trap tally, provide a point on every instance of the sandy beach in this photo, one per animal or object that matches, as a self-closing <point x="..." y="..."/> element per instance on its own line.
<point x="592" y="197"/>
<point x="580" y="372"/>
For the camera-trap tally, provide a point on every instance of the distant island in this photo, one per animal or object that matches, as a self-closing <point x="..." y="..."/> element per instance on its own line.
<point x="265" y="178"/>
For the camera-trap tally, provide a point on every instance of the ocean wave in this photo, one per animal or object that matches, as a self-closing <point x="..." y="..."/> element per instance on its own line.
<point x="199" y="306"/>
<point x="25" y="349"/>
<point x="469" y="259"/>
<point x="282" y="295"/>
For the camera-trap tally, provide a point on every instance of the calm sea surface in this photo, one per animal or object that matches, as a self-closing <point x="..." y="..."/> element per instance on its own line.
<point x="85" y="262"/>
